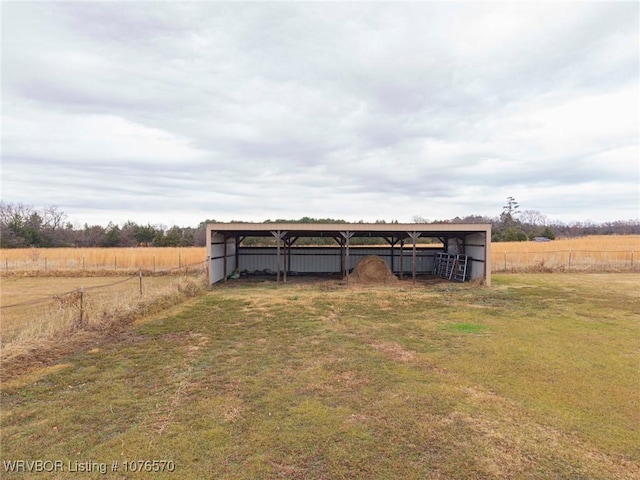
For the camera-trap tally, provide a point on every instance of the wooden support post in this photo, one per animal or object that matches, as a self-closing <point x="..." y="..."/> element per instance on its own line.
<point x="237" y="252"/>
<point x="278" y="259"/>
<point x="401" y="258"/>
<point x="342" y="267"/>
<point x="414" y="236"/>
<point x="347" y="235"/>
<point x="286" y="259"/>
<point x="392" y="242"/>
<point x="279" y="234"/>
<point x="413" y="260"/>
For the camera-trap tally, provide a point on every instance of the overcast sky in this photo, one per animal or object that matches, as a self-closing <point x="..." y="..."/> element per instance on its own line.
<point x="173" y="113"/>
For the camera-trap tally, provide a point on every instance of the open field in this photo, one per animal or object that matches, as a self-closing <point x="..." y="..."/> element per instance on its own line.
<point x="594" y="253"/>
<point x="116" y="260"/>
<point x="44" y="317"/>
<point x="536" y="377"/>
<point x="37" y="304"/>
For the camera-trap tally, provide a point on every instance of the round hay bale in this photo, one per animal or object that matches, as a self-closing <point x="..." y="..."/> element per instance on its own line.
<point x="372" y="269"/>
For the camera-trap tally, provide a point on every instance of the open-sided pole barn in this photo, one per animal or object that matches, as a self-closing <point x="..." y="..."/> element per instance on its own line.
<point x="226" y="253"/>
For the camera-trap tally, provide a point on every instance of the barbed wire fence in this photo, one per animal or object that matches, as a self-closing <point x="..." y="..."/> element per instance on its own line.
<point x="509" y="261"/>
<point x="43" y="263"/>
<point x="566" y="261"/>
<point x="78" y="299"/>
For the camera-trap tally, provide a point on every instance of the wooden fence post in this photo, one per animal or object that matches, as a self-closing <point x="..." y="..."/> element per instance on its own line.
<point x="81" y="305"/>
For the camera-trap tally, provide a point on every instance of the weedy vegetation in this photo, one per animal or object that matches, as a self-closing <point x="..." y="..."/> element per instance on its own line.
<point x="42" y="318"/>
<point x="536" y="377"/>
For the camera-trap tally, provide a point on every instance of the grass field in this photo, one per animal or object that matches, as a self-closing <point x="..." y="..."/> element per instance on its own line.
<point x="65" y="260"/>
<point x="592" y="253"/>
<point x="536" y="377"/>
<point x="599" y="253"/>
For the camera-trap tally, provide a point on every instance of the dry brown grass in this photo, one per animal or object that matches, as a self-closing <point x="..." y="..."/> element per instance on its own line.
<point x="44" y="317"/>
<point x="121" y="260"/>
<point x="37" y="304"/>
<point x="598" y="252"/>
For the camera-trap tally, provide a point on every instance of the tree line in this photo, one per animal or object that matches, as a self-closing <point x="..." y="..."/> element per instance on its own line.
<point x="515" y="225"/>
<point x="24" y="226"/>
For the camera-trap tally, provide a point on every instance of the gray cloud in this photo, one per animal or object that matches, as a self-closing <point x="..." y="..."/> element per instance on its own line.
<point x="178" y="112"/>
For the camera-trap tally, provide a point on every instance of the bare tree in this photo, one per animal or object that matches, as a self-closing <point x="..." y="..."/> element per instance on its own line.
<point x="534" y="218"/>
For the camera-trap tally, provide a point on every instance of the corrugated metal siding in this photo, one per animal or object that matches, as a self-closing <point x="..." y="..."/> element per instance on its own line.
<point x="328" y="260"/>
<point x="216" y="260"/>
<point x="475" y="248"/>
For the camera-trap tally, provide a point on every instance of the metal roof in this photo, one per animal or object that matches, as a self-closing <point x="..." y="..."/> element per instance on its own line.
<point x="357" y="229"/>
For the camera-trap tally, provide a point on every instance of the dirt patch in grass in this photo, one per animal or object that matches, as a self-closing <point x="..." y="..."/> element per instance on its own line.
<point x="395" y="351"/>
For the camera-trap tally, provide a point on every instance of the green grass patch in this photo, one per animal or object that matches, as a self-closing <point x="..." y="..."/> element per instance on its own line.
<point x="466" y="328"/>
<point x="534" y="378"/>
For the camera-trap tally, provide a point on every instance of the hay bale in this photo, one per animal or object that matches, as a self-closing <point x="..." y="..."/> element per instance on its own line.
<point x="372" y="269"/>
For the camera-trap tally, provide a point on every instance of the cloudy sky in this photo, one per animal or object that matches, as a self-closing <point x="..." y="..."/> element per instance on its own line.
<point x="173" y="113"/>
